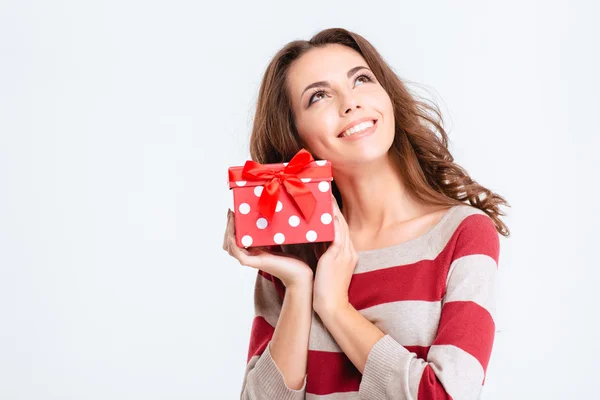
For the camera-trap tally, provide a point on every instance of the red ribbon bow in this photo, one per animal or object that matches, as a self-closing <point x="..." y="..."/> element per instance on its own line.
<point x="287" y="176"/>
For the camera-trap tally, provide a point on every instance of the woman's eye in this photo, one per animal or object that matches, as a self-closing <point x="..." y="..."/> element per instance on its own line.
<point x="364" y="76"/>
<point x="367" y="79"/>
<point x="314" y="95"/>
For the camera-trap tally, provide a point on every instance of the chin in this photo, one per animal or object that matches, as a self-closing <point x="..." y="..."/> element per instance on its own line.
<point x="366" y="150"/>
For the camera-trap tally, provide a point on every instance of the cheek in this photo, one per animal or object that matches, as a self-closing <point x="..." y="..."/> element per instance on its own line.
<point x="385" y="103"/>
<point x="386" y="108"/>
<point x="316" y="128"/>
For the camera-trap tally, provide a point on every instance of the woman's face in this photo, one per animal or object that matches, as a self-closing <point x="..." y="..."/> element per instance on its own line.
<point x="346" y="92"/>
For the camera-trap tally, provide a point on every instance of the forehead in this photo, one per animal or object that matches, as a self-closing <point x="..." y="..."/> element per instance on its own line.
<point x="328" y="63"/>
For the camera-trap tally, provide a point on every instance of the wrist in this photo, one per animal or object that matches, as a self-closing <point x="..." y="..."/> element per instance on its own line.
<point x="300" y="285"/>
<point x="326" y="310"/>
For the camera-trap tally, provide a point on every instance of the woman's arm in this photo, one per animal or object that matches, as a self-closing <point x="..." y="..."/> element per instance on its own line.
<point x="289" y="345"/>
<point x="277" y="355"/>
<point x="278" y="350"/>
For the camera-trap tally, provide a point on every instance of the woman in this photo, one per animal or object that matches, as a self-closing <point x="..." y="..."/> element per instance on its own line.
<point x="400" y="305"/>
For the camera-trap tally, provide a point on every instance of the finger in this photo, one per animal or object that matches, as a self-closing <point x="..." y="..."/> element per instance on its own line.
<point x="347" y="242"/>
<point x="339" y="218"/>
<point x="231" y="225"/>
<point x="239" y="253"/>
<point x="226" y="233"/>
<point x="343" y="226"/>
<point x="338" y="240"/>
<point x="337" y="211"/>
<point x="336" y="207"/>
<point x="234" y="249"/>
<point x="353" y="252"/>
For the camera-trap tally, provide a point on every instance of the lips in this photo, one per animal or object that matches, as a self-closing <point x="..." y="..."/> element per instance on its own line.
<point x="354" y="123"/>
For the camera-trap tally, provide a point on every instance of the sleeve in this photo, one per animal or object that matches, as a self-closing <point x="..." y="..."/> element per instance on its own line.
<point x="262" y="377"/>
<point x="457" y="360"/>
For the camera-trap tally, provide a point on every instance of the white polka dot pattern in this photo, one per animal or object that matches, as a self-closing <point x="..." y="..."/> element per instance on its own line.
<point x="311" y="236"/>
<point x="247" y="241"/>
<point x="321" y="163"/>
<point x="294" y="221"/>
<point x="326" y="218"/>
<point x="261" y="223"/>
<point x="279" y="206"/>
<point x="279" y="238"/>
<point x="323" y="186"/>
<point x="244" y="208"/>
<point x="240" y="183"/>
<point x="258" y="191"/>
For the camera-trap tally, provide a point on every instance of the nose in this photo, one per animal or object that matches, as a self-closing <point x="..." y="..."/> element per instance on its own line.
<point x="349" y="102"/>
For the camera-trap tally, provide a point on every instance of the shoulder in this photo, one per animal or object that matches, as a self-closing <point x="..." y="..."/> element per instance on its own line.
<point x="474" y="233"/>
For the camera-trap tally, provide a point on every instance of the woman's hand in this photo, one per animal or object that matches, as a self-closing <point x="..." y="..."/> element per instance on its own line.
<point x="289" y="270"/>
<point x="335" y="268"/>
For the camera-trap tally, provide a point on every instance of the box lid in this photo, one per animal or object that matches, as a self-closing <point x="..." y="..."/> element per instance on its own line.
<point x="317" y="171"/>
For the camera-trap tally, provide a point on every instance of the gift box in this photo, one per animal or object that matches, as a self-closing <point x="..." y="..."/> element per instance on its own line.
<point x="282" y="203"/>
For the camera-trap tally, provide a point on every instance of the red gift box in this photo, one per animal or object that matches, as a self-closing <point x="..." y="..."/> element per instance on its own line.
<point x="282" y="203"/>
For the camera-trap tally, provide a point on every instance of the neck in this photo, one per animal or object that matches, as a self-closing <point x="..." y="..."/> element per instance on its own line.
<point x="374" y="196"/>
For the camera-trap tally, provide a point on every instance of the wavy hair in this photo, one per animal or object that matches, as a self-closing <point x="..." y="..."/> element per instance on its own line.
<point x="420" y="146"/>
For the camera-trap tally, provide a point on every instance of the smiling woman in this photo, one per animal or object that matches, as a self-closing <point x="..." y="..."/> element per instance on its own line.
<point x="401" y="304"/>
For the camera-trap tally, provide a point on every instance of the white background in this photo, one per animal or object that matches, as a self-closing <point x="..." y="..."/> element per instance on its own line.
<point x="118" y="120"/>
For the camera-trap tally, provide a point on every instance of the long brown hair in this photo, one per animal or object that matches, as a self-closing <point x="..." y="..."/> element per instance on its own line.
<point x="422" y="157"/>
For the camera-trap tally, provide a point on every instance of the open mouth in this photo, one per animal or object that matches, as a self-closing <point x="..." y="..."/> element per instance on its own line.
<point x="359" y="128"/>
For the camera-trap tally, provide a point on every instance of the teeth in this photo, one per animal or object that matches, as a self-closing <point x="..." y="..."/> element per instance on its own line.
<point x="358" y="128"/>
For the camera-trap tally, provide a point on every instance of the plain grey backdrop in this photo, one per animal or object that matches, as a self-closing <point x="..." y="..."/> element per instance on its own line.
<point x="118" y="120"/>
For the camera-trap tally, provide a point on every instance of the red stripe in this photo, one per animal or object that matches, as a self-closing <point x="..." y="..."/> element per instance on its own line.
<point x="331" y="372"/>
<point x="260" y="335"/>
<point x="470" y="327"/>
<point x="477" y="235"/>
<point x="420" y="351"/>
<point x="423" y="280"/>
<point x="430" y="387"/>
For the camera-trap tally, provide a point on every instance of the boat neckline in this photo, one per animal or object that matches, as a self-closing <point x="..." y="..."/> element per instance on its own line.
<point x="431" y="230"/>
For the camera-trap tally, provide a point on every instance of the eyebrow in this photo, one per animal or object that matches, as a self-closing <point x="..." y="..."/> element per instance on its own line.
<point x="326" y="84"/>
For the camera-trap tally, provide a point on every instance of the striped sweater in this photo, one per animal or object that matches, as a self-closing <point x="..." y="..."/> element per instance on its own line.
<point x="434" y="299"/>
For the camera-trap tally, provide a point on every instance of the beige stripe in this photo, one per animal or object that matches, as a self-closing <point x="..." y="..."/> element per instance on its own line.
<point x="267" y="302"/>
<point x="411" y="323"/>
<point x="460" y="373"/>
<point x="424" y="247"/>
<point x="249" y="366"/>
<point x="411" y="371"/>
<point x="473" y="278"/>
<point x="320" y="338"/>
<point x="334" y="396"/>
<point x="263" y="379"/>
<point x="406" y="372"/>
